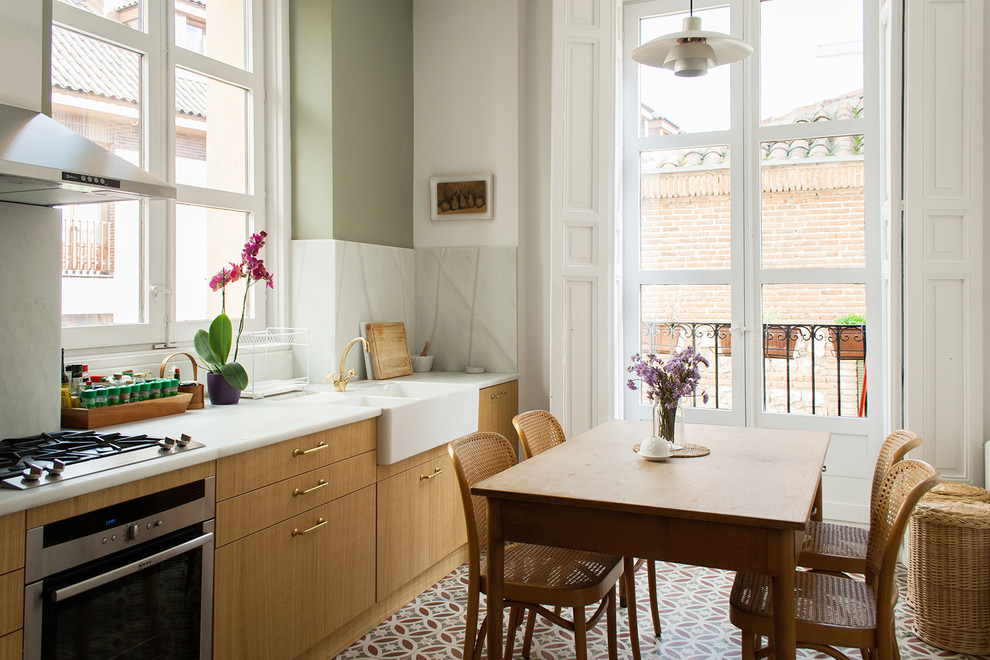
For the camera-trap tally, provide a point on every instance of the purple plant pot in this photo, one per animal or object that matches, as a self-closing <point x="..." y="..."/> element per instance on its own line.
<point x="221" y="392"/>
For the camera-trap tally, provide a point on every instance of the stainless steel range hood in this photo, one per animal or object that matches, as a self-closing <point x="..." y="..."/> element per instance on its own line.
<point x="46" y="164"/>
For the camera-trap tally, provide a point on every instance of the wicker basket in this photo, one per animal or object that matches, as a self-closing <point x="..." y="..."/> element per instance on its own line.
<point x="949" y="573"/>
<point x="192" y="387"/>
<point x="957" y="491"/>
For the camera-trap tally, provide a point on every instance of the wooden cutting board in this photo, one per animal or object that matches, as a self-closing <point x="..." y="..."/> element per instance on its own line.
<point x="389" y="349"/>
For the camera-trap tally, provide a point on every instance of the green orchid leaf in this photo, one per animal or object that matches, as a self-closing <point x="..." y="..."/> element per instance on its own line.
<point x="221" y="333"/>
<point x="201" y="342"/>
<point x="234" y="374"/>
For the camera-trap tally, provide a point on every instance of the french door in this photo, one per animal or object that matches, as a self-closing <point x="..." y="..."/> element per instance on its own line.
<point x="751" y="220"/>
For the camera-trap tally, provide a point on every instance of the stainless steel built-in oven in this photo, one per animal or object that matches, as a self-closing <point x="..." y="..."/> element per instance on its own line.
<point x="133" y="580"/>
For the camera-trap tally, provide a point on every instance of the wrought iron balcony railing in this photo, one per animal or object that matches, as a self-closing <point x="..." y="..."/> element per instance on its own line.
<point x="799" y="359"/>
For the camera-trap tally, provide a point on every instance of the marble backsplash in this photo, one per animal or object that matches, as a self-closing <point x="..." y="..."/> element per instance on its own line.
<point x="461" y="300"/>
<point x="466" y="307"/>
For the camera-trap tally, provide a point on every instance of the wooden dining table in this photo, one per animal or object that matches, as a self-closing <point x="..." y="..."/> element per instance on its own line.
<point x="742" y="507"/>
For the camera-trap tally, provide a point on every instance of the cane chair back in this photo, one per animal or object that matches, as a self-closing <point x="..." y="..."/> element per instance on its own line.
<point x="534" y="575"/>
<point x="840" y="548"/>
<point x="538" y="431"/>
<point x="840" y="611"/>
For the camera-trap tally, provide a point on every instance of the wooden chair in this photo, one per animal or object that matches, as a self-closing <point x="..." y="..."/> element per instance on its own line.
<point x="538" y="431"/>
<point x="841" y="611"/>
<point x="839" y="548"/>
<point x="534" y="575"/>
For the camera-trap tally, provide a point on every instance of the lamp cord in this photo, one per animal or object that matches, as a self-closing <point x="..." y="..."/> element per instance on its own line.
<point x="692" y="8"/>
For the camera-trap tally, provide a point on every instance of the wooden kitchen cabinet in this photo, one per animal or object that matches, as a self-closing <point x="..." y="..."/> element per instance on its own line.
<point x="295" y="557"/>
<point x="420" y="521"/>
<point x="497" y="405"/>
<point x="11" y="646"/>
<point x="11" y="584"/>
<point x="283" y="589"/>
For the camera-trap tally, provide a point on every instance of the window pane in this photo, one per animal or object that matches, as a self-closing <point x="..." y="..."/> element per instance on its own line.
<point x="669" y="104"/>
<point x="104" y="264"/>
<point x="813" y="352"/>
<point x="129" y="12"/>
<point x="96" y="91"/>
<point x="210" y="154"/>
<point x="685" y="212"/>
<point x="811" y="60"/>
<point x="208" y="239"/>
<point x="813" y="208"/>
<point x="228" y="26"/>
<point x="673" y="316"/>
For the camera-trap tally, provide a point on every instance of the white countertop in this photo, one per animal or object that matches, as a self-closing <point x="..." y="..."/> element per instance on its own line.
<point x="227" y="430"/>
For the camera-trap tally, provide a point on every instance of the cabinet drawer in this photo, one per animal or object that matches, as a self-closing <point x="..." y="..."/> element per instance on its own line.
<point x="278" y="594"/>
<point x="420" y="521"/>
<point x="247" y="471"/>
<point x="247" y="513"/>
<point x="11" y="601"/>
<point x="11" y="542"/>
<point x="11" y="646"/>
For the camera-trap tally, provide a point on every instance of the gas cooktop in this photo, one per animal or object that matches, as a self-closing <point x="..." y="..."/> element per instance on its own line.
<point x="53" y="457"/>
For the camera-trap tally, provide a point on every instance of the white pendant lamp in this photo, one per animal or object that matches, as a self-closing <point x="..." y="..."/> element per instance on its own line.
<point x="692" y="51"/>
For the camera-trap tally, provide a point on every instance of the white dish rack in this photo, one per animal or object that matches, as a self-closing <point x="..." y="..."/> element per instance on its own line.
<point x="279" y="360"/>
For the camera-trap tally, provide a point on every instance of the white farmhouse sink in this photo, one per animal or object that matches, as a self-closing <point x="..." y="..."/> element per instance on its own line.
<point x="416" y="416"/>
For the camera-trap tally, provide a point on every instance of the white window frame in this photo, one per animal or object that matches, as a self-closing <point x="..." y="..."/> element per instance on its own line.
<point x="159" y="61"/>
<point x="745" y="275"/>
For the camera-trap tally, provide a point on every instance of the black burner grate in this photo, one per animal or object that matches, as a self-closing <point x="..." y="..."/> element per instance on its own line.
<point x="67" y="446"/>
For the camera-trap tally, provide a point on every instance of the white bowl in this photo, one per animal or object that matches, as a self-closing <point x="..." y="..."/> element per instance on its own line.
<point x="421" y="362"/>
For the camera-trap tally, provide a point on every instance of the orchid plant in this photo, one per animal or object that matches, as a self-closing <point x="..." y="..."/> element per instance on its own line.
<point x="666" y="383"/>
<point x="214" y="346"/>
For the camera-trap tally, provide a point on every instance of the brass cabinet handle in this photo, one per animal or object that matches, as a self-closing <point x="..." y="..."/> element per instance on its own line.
<point x="320" y="522"/>
<point x="303" y="452"/>
<point x="320" y="484"/>
<point x="436" y="471"/>
<point x="500" y="395"/>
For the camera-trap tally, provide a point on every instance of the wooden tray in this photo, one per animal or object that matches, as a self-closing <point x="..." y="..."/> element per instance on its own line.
<point x="389" y="349"/>
<point x="94" y="418"/>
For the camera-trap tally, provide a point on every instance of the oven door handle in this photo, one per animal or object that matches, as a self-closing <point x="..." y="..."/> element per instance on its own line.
<point x="117" y="573"/>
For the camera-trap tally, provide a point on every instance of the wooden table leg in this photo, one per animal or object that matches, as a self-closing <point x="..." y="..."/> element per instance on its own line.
<point x="629" y="576"/>
<point x="784" y="609"/>
<point x="496" y="579"/>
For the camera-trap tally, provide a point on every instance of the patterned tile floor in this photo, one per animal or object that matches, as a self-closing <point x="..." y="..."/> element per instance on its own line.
<point x="694" y="613"/>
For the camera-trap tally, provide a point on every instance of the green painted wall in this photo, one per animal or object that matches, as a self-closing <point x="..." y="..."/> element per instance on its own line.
<point x="310" y="115"/>
<point x="352" y="165"/>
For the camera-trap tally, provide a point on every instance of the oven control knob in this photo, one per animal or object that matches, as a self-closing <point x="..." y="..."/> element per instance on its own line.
<point x="56" y="469"/>
<point x="133" y="531"/>
<point x="184" y="440"/>
<point x="33" y="473"/>
<point x="168" y="444"/>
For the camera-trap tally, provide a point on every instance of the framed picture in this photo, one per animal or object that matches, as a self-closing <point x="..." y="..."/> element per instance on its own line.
<point x="461" y="197"/>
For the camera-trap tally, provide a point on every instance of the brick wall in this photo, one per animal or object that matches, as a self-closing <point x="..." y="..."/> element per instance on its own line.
<point x="813" y="215"/>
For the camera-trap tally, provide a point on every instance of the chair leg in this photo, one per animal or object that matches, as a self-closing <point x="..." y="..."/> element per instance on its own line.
<point x="479" y="644"/>
<point x="580" y="634"/>
<point x="748" y="646"/>
<point x="611" y="627"/>
<point x="651" y="569"/>
<point x="528" y="636"/>
<point x="471" y="624"/>
<point x="515" y="614"/>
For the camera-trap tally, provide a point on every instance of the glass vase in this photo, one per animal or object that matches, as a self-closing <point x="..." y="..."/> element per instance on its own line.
<point x="666" y="422"/>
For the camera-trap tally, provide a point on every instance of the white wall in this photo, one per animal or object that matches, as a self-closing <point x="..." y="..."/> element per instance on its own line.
<point x="30" y="299"/>
<point x="466" y="113"/>
<point x="534" y="207"/>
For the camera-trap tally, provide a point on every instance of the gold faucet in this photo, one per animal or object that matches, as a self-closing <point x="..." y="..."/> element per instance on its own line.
<point x="340" y="379"/>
